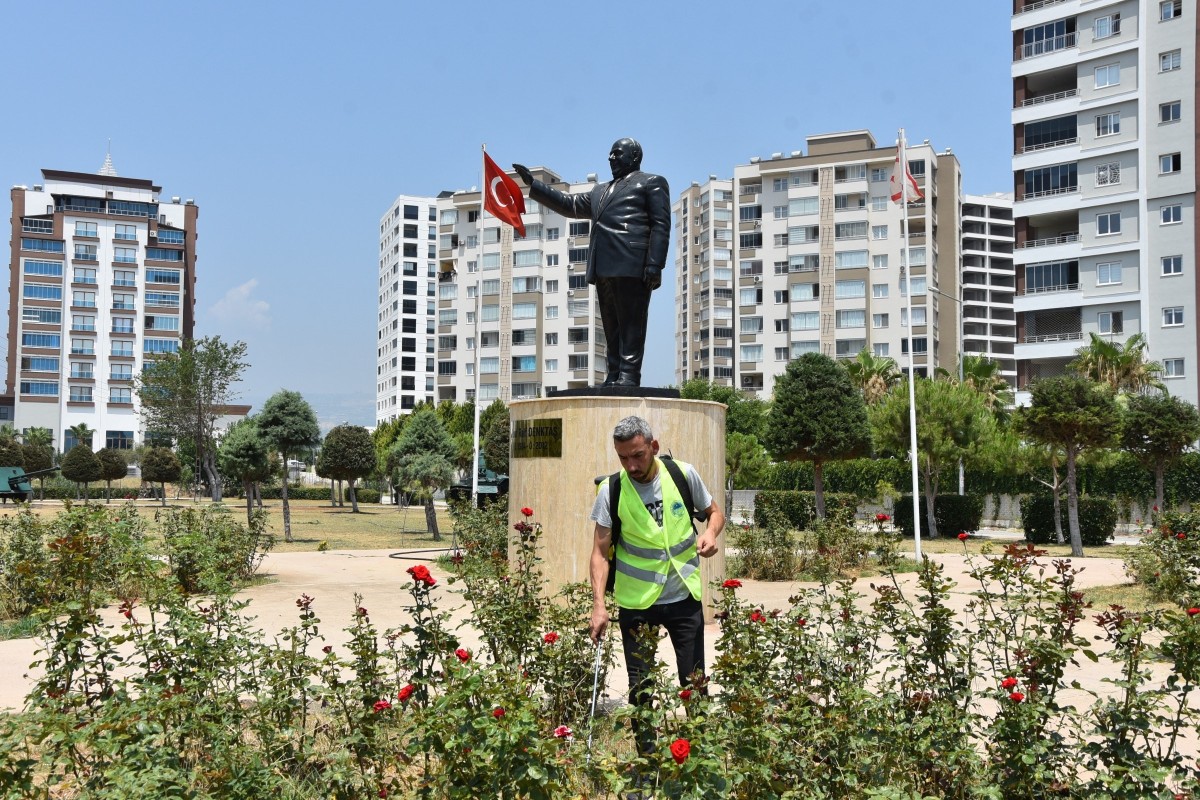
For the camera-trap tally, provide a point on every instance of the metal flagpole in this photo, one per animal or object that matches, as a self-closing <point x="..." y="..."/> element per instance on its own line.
<point x="902" y="178"/>
<point x="478" y="270"/>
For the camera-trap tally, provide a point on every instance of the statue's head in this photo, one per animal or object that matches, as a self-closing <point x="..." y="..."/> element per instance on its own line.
<point x="625" y="157"/>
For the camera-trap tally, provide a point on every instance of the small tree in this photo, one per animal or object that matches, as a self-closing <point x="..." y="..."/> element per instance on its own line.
<point x="495" y="443"/>
<point x="160" y="465"/>
<point x="746" y="464"/>
<point x="82" y="434"/>
<point x="1156" y="430"/>
<point x="39" y="453"/>
<point x="113" y="467"/>
<point x="245" y="456"/>
<point x="817" y="416"/>
<point x="1072" y="413"/>
<point x="12" y="454"/>
<point x="288" y="422"/>
<point x="348" y="455"/>
<point x="81" y="466"/>
<point x="423" y="460"/>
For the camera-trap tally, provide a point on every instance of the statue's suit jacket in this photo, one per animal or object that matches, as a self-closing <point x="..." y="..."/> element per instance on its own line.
<point x="631" y="223"/>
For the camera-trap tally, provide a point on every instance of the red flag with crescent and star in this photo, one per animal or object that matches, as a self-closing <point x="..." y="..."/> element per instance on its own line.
<point x="501" y="195"/>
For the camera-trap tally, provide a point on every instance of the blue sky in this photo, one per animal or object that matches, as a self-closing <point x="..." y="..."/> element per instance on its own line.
<point x="295" y="125"/>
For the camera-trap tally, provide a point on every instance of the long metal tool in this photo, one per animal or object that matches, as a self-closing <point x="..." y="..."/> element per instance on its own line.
<point x="595" y="689"/>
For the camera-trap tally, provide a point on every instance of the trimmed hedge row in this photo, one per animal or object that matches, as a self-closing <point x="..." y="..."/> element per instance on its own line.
<point x="799" y="509"/>
<point x="953" y="514"/>
<point x="1097" y="519"/>
<point x="315" y="493"/>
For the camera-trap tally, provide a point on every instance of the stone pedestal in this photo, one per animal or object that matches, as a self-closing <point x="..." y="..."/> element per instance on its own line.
<point x="561" y="488"/>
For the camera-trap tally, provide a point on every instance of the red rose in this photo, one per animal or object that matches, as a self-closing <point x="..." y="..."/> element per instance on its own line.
<point x="550" y="638"/>
<point x="757" y="616"/>
<point x="685" y="695"/>
<point x="732" y="583"/>
<point x="801" y="621"/>
<point x="1016" y="697"/>
<point x="327" y="649"/>
<point x="680" y="750"/>
<point x="362" y="612"/>
<point x="497" y="712"/>
<point x="1193" y="611"/>
<point x="463" y="655"/>
<point x="962" y="537"/>
<point x="420" y="574"/>
<point x="882" y="517"/>
<point x="1181" y="536"/>
<point x="456" y="559"/>
<point x="1009" y="683"/>
<point x="383" y="792"/>
<point x="381" y="705"/>
<point x="405" y="693"/>
<point x="562" y="732"/>
<point x="1155" y="508"/>
<point x="527" y="511"/>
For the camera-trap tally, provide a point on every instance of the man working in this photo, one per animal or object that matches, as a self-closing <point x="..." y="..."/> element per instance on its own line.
<point x="657" y="558"/>
<point x="627" y="248"/>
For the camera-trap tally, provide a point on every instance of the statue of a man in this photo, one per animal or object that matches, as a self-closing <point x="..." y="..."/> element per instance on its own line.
<point x="630" y="231"/>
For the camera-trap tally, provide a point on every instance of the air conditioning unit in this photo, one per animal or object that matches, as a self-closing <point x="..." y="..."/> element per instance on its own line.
<point x="570" y="292"/>
<point x="758" y="278"/>
<point x="747" y="380"/>
<point x="757" y="224"/>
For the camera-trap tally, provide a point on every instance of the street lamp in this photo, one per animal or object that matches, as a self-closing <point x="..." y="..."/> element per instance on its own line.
<point x="958" y="300"/>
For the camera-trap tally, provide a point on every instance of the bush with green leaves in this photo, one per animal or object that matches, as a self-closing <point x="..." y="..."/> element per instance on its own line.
<point x="209" y="550"/>
<point x="763" y="552"/>
<point x="954" y="513"/>
<point x="1167" y="562"/>
<point x="1097" y="520"/>
<point x="798" y="509"/>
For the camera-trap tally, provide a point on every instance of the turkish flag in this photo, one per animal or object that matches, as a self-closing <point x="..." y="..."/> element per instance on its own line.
<point x="501" y="195"/>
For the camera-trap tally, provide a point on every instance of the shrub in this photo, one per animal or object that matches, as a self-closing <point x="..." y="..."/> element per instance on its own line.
<point x="1097" y="520"/>
<point x="764" y="552"/>
<point x="209" y="550"/>
<point x="1167" y="562"/>
<point x="798" y="509"/>
<point x="309" y="493"/>
<point x="953" y="513"/>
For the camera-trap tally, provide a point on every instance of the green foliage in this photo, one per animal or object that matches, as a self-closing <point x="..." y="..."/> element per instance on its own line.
<point x="422" y="460"/>
<point x="113" y="467"/>
<point x="316" y="493"/>
<point x="494" y="442"/>
<point x="1097" y="519"/>
<point x="81" y="465"/>
<point x="1156" y="429"/>
<point x="797" y="510"/>
<point x="954" y="514"/>
<point x="1167" y="562"/>
<point x="244" y="454"/>
<point x="347" y="455"/>
<point x="288" y="423"/>
<point x="160" y="465"/>
<point x="746" y="462"/>
<point x="745" y="414"/>
<point x="12" y="454"/>
<point x="482" y="532"/>
<point x="209" y="551"/>
<point x="763" y="552"/>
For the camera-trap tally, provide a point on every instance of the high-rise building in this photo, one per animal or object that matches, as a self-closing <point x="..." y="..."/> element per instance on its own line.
<point x="520" y="306"/>
<point x="408" y="278"/>
<point x="103" y="277"/>
<point x="989" y="327"/>
<point x="1104" y="172"/>
<point x="804" y="253"/>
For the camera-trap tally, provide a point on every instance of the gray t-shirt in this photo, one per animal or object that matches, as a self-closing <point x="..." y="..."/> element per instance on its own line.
<point x="650" y="494"/>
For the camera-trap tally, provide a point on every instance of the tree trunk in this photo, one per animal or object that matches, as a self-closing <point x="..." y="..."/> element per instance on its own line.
<point x="819" y="488"/>
<point x="209" y="465"/>
<point x="258" y="495"/>
<point x="431" y="519"/>
<point x="164" y="494"/>
<point x="729" y="496"/>
<point x="333" y="493"/>
<point x="1073" y="506"/>
<point x="930" y="497"/>
<point x="248" y="486"/>
<point x="287" y="511"/>
<point x="1058" y="512"/>
<point x="41" y="488"/>
<point x="1159" y="487"/>
<point x="108" y="491"/>
<point x="353" y="497"/>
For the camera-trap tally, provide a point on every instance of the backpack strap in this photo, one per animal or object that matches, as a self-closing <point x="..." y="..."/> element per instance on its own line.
<point x="614" y="498"/>
<point x="685" y="490"/>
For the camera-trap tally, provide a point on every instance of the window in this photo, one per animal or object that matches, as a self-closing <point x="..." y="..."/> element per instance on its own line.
<point x="83" y="275"/>
<point x="752" y="325"/>
<point x="577" y="362"/>
<point x="1106" y="26"/>
<point x="50" y="268"/>
<point x="1172" y="316"/>
<point x="551" y="339"/>
<point x="157" y="322"/>
<point x="128" y="233"/>
<point x="1171" y="162"/>
<point x="1170" y="112"/>
<point x="879" y="290"/>
<point x="879" y="203"/>
<point x="781" y="297"/>
<point x="154" y="275"/>
<point x="850" y="259"/>
<point x="552" y="234"/>
<point x="524" y="363"/>
<point x="918" y="286"/>
<point x="1108" y="273"/>
<point x="551" y="312"/>
<point x="879" y="174"/>
<point x="527" y="258"/>
<point x="751" y="353"/>
<point x="1108" y="224"/>
<point x="1051" y="180"/>
<point x="800" y="348"/>
<point x="489" y="365"/>
<point x="804" y="291"/>
<point x="781" y="325"/>
<point x="85" y="252"/>
<point x="879" y="262"/>
<point x="80" y="394"/>
<point x="1109" y="322"/>
<point x="850" y="230"/>
<point x="879" y="232"/>
<point x="39" y="363"/>
<point x="851" y="318"/>
<point x="806" y="321"/>
<point x="1171" y="215"/>
<point x="1170" y="9"/>
<point x="119" y="348"/>
<point x="803" y="206"/>
<point x="845" y="289"/>
<point x="750" y="296"/>
<point x="124" y="255"/>
<point x="85" y="229"/>
<point x="750" y="240"/>
<point x="880" y="349"/>
<point x="551" y="365"/>
<point x="42" y="316"/>
<point x="918" y="315"/>
<point x="1172" y="367"/>
<point x="86" y="322"/>
<point x="159" y="254"/>
<point x="879" y="320"/>
<point x="1108" y="124"/>
<point x="121" y="372"/>
<point x="524" y="311"/>
<point x="750" y="212"/>
<point x="41" y="291"/>
<point x="167" y="237"/>
<point x="44" y="245"/>
<point x="847" y="348"/>
<point x="45" y="388"/>
<point x="81" y="347"/>
<point x="1172" y="265"/>
<point x="124" y="277"/>
<point x="119" y="440"/>
<point x="1108" y="174"/>
<point x="1170" y="61"/>
<point x="1108" y="75"/>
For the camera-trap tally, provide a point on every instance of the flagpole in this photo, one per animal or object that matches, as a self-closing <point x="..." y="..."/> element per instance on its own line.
<point x="478" y="271"/>
<point x="902" y="179"/>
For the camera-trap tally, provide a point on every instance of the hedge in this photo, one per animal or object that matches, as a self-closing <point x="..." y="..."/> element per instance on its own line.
<point x="1097" y="520"/>
<point x="316" y="493"/>
<point x="799" y="509"/>
<point x="954" y="514"/>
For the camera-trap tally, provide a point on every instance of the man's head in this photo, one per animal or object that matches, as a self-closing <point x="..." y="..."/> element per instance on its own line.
<point x="636" y="447"/>
<point x="625" y="157"/>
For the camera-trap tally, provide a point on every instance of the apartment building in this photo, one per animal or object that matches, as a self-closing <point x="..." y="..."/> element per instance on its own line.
<point x="517" y="308"/>
<point x="803" y="252"/>
<point x="102" y="277"/>
<point x="1104" y="173"/>
<point x="989" y="327"/>
<point x="408" y="280"/>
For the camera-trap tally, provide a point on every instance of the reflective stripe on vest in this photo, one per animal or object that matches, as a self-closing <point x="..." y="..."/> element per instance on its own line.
<point x="647" y="552"/>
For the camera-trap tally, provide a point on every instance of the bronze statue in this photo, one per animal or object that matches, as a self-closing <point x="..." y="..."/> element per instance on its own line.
<point x="630" y="231"/>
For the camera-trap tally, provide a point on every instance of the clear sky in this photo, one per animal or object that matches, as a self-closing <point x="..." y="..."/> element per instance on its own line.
<point x="295" y="125"/>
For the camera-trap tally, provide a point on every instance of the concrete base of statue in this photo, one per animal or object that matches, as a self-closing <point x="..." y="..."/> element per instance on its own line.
<point x="561" y="444"/>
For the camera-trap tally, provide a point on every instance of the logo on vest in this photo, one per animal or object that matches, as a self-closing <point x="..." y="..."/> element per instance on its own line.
<point x="677" y="508"/>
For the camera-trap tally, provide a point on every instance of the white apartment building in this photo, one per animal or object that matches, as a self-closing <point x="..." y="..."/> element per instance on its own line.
<point x="520" y="307"/>
<point x="803" y="252"/>
<point x="989" y="327"/>
<point x="1104" y="172"/>
<point x="408" y="278"/>
<point x="102" y="277"/>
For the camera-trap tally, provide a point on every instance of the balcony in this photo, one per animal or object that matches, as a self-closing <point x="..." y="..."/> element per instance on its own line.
<point x="1066" y="238"/>
<point x="1047" y="98"/>
<point x="1036" y="5"/>
<point x="1066" y="336"/>
<point x="1064" y="287"/>
<point x="1045" y="47"/>
<point x="1051" y="192"/>
<point x="1033" y="148"/>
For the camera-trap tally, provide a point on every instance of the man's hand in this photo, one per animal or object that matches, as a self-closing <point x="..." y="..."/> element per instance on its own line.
<point x="706" y="544"/>
<point x="525" y="174"/>
<point x="652" y="277"/>
<point x="599" y="623"/>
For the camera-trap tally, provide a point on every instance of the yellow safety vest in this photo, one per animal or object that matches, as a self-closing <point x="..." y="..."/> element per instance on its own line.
<point x="647" y="551"/>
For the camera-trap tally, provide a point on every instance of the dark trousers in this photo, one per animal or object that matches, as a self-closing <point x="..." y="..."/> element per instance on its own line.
<point x="684" y="622"/>
<point x="624" y="307"/>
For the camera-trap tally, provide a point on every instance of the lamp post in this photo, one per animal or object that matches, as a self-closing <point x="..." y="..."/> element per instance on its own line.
<point x="958" y="300"/>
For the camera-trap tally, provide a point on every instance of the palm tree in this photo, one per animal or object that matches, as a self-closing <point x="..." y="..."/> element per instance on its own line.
<point x="873" y="375"/>
<point x="82" y="434"/>
<point x="1124" y="368"/>
<point x="983" y="375"/>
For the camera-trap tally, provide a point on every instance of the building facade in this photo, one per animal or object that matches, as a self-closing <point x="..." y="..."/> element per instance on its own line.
<point x="804" y="253"/>
<point x="102" y="278"/>
<point x="989" y="327"/>
<point x="408" y="279"/>
<point x="1104" y="173"/>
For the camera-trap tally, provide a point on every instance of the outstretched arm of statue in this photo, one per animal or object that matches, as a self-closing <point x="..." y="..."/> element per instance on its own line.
<point x="525" y="174"/>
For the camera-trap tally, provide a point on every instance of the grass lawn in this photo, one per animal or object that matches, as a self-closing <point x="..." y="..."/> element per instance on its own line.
<point x="988" y="546"/>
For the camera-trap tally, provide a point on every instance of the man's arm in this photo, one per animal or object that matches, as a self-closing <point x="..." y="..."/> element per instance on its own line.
<point x="706" y="543"/>
<point x="575" y="206"/>
<point x="599" y="573"/>
<point x="658" y="208"/>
